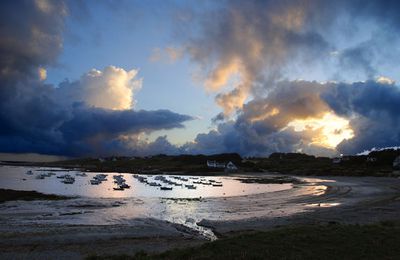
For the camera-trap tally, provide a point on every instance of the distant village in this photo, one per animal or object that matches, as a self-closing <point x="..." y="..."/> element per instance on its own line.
<point x="368" y="159"/>
<point x="376" y="163"/>
<point x="229" y="167"/>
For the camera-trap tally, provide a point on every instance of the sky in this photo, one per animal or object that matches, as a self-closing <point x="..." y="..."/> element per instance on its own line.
<point x="104" y="78"/>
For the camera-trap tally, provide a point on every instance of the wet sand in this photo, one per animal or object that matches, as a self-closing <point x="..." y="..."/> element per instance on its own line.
<point x="78" y="241"/>
<point x="342" y="200"/>
<point x="349" y="200"/>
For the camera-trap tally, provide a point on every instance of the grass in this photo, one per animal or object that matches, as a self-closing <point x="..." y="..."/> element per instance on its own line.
<point x="8" y="195"/>
<point x="377" y="241"/>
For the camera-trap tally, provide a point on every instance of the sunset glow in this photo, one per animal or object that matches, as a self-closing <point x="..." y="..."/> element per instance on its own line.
<point x="149" y="129"/>
<point x="249" y="77"/>
<point x="331" y="129"/>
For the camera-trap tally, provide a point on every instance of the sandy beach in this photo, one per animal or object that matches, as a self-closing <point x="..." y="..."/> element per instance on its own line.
<point x="31" y="229"/>
<point x="348" y="200"/>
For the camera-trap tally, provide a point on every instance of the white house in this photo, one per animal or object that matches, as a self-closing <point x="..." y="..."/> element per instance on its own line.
<point x="231" y="167"/>
<point x="215" y="164"/>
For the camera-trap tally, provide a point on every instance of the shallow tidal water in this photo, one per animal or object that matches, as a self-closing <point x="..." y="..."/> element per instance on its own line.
<point x="15" y="177"/>
<point x="101" y="205"/>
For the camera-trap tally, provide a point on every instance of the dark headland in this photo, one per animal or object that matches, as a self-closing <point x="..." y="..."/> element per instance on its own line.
<point x="376" y="163"/>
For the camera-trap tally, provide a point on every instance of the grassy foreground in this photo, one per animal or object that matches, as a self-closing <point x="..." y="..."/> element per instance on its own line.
<point x="378" y="241"/>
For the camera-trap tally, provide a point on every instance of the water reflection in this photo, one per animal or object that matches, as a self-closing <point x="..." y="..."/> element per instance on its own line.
<point x="102" y="205"/>
<point x="13" y="177"/>
<point x="324" y="205"/>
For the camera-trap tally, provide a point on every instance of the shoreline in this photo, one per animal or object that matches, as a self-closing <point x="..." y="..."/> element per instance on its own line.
<point x="360" y="201"/>
<point x="28" y="195"/>
<point x="375" y="207"/>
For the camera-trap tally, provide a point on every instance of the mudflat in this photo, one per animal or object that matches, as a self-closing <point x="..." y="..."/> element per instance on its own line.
<point x="32" y="230"/>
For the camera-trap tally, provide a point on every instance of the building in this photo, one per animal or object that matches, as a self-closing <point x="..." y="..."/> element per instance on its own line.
<point x="231" y="167"/>
<point x="215" y="164"/>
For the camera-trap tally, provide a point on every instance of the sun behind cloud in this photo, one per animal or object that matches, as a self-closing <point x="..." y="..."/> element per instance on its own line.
<point x="333" y="129"/>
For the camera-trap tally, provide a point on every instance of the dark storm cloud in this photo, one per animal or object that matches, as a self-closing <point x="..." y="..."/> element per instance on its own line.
<point x="91" y="122"/>
<point x="96" y="131"/>
<point x="253" y="40"/>
<point x="30" y="36"/>
<point x="261" y="126"/>
<point x="370" y="99"/>
<point x="374" y="109"/>
<point x="34" y="116"/>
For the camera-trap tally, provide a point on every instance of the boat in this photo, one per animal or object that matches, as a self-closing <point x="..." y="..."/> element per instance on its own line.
<point x="154" y="184"/>
<point x="68" y="181"/>
<point x="118" y="188"/>
<point x="40" y="176"/>
<point x="165" y="188"/>
<point x="81" y="174"/>
<point x="95" y="182"/>
<point x="48" y="174"/>
<point x="217" y="184"/>
<point x="124" y="186"/>
<point x="29" y="172"/>
<point x="99" y="178"/>
<point x="64" y="176"/>
<point x="142" y="179"/>
<point x="190" y="186"/>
